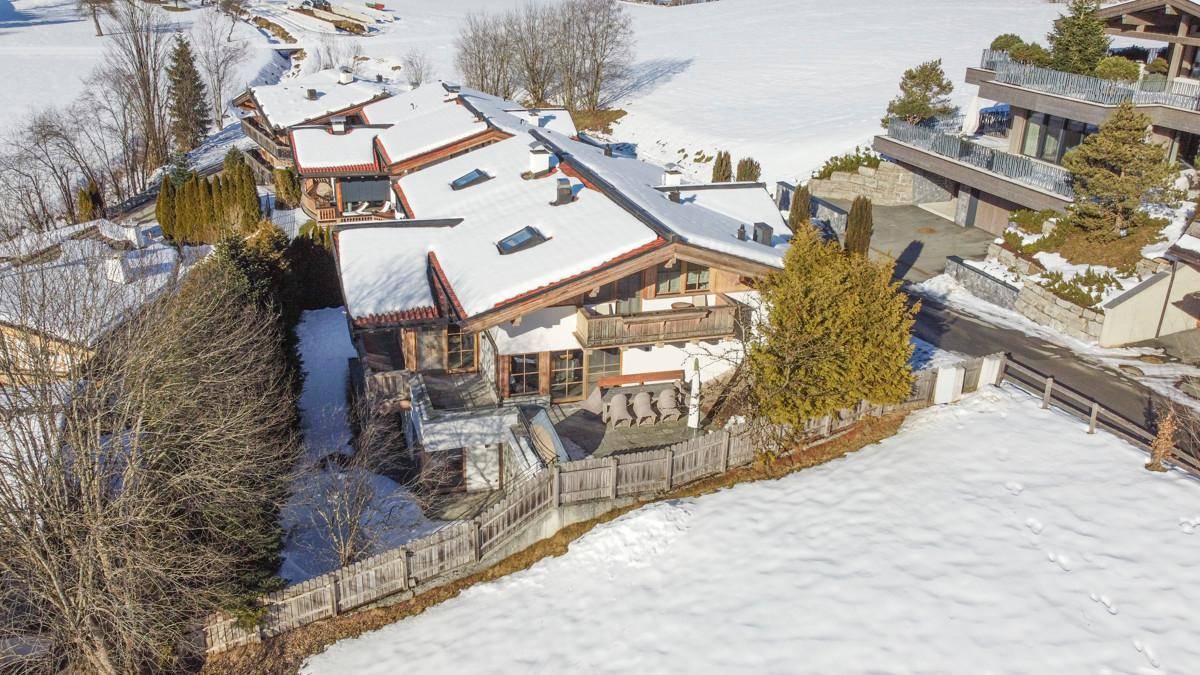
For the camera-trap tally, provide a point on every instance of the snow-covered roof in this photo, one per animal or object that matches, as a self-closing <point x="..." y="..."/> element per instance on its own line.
<point x="78" y="286"/>
<point x="287" y="104"/>
<point x="320" y="148"/>
<point x="587" y="233"/>
<point x="555" y="119"/>
<point x="439" y="127"/>
<point x="747" y="202"/>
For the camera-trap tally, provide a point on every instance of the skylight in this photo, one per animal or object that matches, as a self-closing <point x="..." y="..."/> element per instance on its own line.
<point x="473" y="177"/>
<point x="526" y="237"/>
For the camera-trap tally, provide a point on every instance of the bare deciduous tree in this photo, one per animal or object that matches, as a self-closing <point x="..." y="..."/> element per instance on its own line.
<point x="94" y="8"/>
<point x="219" y="57"/>
<point x="135" y="69"/>
<point x="140" y="469"/>
<point x="604" y="36"/>
<point x="530" y="33"/>
<point x="417" y="67"/>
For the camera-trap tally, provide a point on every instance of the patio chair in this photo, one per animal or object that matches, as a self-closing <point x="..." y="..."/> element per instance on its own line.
<point x="618" y="411"/>
<point x="668" y="405"/>
<point x="643" y="412"/>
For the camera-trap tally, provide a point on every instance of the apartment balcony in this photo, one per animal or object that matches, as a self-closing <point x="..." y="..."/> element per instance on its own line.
<point x="680" y="324"/>
<point x="1018" y="179"/>
<point x="1173" y="104"/>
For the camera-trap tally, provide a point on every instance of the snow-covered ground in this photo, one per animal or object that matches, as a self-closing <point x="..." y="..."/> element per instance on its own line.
<point x="47" y="47"/>
<point x="986" y="537"/>
<point x="325" y="348"/>
<point x="790" y="83"/>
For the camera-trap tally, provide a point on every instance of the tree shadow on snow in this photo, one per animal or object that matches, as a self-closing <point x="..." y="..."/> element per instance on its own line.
<point x="45" y="15"/>
<point x="644" y="77"/>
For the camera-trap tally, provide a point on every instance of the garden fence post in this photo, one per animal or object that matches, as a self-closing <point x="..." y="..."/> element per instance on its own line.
<point x="612" y="461"/>
<point x="670" y="472"/>
<point x="556" y="484"/>
<point x="1092" y="418"/>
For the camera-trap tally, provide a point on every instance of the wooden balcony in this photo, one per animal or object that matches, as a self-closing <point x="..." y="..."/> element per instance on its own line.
<point x="723" y="320"/>
<point x="265" y="140"/>
<point x="326" y="213"/>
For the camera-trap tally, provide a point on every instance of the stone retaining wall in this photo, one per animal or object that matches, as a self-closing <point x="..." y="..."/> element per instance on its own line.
<point x="1064" y="316"/>
<point x="982" y="284"/>
<point x="1011" y="260"/>
<point x="889" y="185"/>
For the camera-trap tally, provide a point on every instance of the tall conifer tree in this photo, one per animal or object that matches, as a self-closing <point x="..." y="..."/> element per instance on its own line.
<point x="188" y="105"/>
<point x="799" y="214"/>
<point x="164" y="208"/>
<point x="1078" y="41"/>
<point x="722" y="168"/>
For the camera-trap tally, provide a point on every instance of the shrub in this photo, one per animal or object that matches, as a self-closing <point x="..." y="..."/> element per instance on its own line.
<point x="924" y="93"/>
<point x="1085" y="290"/>
<point x="748" y="170"/>
<point x="850" y="161"/>
<point x="1031" y="221"/>
<point x="1158" y="66"/>
<point x="1118" y="69"/>
<point x="1012" y="241"/>
<point x="1006" y="42"/>
<point x="1032" y="54"/>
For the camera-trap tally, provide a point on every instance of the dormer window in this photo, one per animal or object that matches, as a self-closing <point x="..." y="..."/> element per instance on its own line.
<point x="526" y="237"/>
<point x="473" y="177"/>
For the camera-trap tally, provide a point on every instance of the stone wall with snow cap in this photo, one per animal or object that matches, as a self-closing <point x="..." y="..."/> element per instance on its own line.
<point x="889" y="185"/>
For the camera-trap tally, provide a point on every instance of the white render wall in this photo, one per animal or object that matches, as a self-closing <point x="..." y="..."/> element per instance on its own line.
<point x="716" y="358"/>
<point x="482" y="467"/>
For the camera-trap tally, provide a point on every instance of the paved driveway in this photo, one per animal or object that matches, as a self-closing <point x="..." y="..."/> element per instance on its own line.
<point x="919" y="241"/>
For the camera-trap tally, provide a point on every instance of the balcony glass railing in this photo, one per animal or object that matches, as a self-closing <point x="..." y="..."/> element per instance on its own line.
<point x="1020" y="169"/>
<point x="1172" y="93"/>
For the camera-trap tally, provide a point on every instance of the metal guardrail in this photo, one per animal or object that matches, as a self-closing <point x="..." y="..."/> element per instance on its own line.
<point x="1021" y="169"/>
<point x="1175" y="94"/>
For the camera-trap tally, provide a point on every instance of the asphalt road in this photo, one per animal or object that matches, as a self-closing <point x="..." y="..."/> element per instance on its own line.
<point x="949" y="329"/>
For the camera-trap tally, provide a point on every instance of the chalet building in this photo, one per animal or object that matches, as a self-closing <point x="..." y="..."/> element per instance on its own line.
<point x="110" y="269"/>
<point x="992" y="175"/>
<point x="504" y="266"/>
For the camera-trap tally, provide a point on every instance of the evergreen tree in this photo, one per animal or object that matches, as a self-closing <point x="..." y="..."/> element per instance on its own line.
<point x="179" y="170"/>
<point x="1078" y="42"/>
<point x="860" y="225"/>
<point x="164" y="209"/>
<point x="287" y="188"/>
<point x="233" y="161"/>
<point x="1006" y="41"/>
<point x="924" y="93"/>
<point x="1113" y="170"/>
<point x="1033" y="54"/>
<point x="799" y="214"/>
<point x="249" y="199"/>
<point x="188" y="106"/>
<point x="89" y="203"/>
<point x="748" y="170"/>
<point x="207" y="212"/>
<point x="722" y="168"/>
<point x="220" y="201"/>
<point x="836" y="333"/>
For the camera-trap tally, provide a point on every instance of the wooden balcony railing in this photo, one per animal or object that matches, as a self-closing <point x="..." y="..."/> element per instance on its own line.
<point x="265" y="140"/>
<point x="595" y="330"/>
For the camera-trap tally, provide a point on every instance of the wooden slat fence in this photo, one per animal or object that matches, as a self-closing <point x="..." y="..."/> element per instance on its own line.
<point x="461" y="547"/>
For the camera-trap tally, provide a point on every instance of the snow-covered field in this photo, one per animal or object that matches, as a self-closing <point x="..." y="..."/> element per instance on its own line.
<point x="47" y="47"/>
<point x="790" y="83"/>
<point x="987" y="537"/>
<point x="325" y="348"/>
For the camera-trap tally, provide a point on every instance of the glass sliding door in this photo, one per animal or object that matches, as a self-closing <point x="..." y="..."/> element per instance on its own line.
<point x="601" y="363"/>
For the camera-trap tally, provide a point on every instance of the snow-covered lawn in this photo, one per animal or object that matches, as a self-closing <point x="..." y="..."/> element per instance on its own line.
<point x="47" y="47"/>
<point x="325" y="348"/>
<point x="986" y="537"/>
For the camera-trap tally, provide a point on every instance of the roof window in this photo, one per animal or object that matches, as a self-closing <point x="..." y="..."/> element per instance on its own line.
<point x="473" y="177"/>
<point x="526" y="237"/>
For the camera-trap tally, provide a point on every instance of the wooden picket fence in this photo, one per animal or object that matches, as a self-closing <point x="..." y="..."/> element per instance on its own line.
<point x="463" y="546"/>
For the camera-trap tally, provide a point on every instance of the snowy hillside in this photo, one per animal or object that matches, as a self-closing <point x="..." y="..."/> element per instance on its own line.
<point x="988" y="536"/>
<point x="47" y="47"/>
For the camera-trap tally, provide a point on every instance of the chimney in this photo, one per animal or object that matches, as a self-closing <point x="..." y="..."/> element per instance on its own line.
<point x="379" y="77"/>
<point x="563" y="193"/>
<point x="311" y="94"/>
<point x="345" y="77"/>
<point x="741" y="235"/>
<point x="539" y="159"/>
<point x="115" y="268"/>
<point x="763" y="233"/>
<point x="608" y="150"/>
<point x="338" y="124"/>
<point x="673" y="195"/>
<point x="672" y="175"/>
